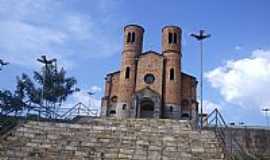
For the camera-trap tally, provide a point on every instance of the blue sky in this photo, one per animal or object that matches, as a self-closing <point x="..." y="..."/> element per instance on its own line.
<point x="86" y="37"/>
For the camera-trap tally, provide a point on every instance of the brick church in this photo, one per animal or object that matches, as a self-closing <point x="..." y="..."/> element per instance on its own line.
<point x="150" y="84"/>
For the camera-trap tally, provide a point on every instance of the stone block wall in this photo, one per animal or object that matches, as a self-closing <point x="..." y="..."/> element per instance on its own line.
<point x="255" y="141"/>
<point x="106" y="139"/>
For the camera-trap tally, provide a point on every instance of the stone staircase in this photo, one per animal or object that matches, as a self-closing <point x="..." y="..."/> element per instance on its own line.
<point x="104" y="139"/>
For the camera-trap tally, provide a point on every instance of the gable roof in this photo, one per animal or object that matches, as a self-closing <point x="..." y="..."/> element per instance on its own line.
<point x="113" y="73"/>
<point x="149" y="89"/>
<point x="188" y="75"/>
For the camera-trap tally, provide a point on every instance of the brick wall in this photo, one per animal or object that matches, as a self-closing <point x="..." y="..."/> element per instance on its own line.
<point x="150" y="63"/>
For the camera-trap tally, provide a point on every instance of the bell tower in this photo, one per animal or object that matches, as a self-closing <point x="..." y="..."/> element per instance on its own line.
<point x="171" y="49"/>
<point x="133" y="43"/>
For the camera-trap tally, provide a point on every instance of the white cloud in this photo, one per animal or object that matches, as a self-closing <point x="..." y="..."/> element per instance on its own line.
<point x="238" y="47"/>
<point x="209" y="106"/>
<point x="84" y="98"/>
<point x="27" y="42"/>
<point x="55" y="28"/>
<point x="95" y="89"/>
<point x="244" y="82"/>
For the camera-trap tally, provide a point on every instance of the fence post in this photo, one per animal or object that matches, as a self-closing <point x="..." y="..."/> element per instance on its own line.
<point x="231" y="141"/>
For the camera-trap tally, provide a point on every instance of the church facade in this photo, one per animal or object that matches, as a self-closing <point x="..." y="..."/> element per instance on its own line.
<point x="150" y="84"/>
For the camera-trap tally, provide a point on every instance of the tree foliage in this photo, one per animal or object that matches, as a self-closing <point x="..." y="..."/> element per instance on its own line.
<point x="48" y="90"/>
<point x="10" y="102"/>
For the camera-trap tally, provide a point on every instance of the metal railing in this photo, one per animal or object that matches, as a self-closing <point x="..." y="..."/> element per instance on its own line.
<point x="232" y="147"/>
<point x="10" y="120"/>
<point x="79" y="109"/>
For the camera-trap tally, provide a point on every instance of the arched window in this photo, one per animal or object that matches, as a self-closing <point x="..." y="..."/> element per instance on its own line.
<point x="171" y="108"/>
<point x="170" y="37"/>
<point x="124" y="106"/>
<point x="114" y="99"/>
<point x="128" y="37"/>
<point x="185" y="116"/>
<point x="112" y="112"/>
<point x="175" y="38"/>
<point x="133" y="37"/>
<point x="127" y="73"/>
<point x="171" y="74"/>
<point x="185" y="106"/>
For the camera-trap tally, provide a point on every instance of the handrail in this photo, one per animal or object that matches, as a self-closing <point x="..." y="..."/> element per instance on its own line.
<point x="78" y="106"/>
<point x="53" y="113"/>
<point x="216" y="120"/>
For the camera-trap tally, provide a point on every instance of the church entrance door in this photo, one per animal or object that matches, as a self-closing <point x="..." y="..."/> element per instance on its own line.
<point x="147" y="108"/>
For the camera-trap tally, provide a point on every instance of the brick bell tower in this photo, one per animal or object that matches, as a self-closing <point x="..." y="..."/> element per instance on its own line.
<point x="133" y="43"/>
<point x="171" y="49"/>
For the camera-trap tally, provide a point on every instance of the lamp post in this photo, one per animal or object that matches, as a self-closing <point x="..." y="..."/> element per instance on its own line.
<point x="266" y="110"/>
<point x="46" y="62"/>
<point x="90" y="97"/>
<point x="200" y="37"/>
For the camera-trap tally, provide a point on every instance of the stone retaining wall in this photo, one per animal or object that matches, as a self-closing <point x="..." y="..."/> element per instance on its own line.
<point x="104" y="139"/>
<point x="254" y="140"/>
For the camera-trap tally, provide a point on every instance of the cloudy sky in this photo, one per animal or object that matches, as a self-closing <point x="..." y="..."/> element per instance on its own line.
<point x="86" y="38"/>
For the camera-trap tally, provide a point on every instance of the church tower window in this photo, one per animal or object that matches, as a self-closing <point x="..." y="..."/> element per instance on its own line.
<point x="133" y="37"/>
<point x="170" y="38"/>
<point x="128" y="37"/>
<point x="171" y="74"/>
<point x="175" y="38"/>
<point x="127" y="73"/>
